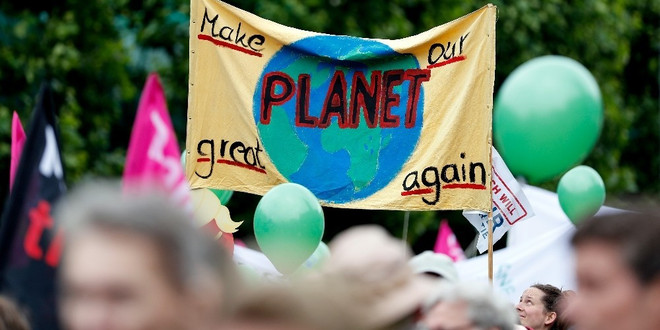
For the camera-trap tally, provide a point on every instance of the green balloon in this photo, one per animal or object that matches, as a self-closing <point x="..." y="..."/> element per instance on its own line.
<point x="288" y="225"/>
<point x="223" y="195"/>
<point x="581" y="193"/>
<point x="548" y="116"/>
<point x="183" y="159"/>
<point x="320" y="255"/>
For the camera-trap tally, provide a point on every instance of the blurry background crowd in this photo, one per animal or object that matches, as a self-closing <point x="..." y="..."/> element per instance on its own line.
<point x="144" y="265"/>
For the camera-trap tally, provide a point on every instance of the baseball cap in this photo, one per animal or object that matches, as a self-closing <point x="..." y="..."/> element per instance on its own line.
<point x="434" y="263"/>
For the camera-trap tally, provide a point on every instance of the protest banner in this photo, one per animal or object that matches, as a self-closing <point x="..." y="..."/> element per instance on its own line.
<point x="17" y="142"/>
<point x="152" y="158"/>
<point x="510" y="205"/>
<point x="446" y="243"/>
<point x="30" y="239"/>
<point x="362" y="123"/>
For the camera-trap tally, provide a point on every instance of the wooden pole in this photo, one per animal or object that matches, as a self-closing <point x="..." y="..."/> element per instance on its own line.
<point x="490" y="223"/>
<point x="490" y="246"/>
<point x="490" y="144"/>
<point x="490" y="212"/>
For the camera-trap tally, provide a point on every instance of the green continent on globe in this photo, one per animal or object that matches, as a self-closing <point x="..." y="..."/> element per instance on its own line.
<point x="363" y="152"/>
<point x="287" y="163"/>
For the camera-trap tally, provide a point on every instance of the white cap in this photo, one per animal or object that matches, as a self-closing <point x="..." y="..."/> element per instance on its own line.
<point x="434" y="263"/>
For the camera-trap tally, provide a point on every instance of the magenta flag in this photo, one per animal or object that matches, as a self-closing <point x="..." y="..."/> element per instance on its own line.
<point x="17" y="142"/>
<point x="446" y="243"/>
<point x="153" y="156"/>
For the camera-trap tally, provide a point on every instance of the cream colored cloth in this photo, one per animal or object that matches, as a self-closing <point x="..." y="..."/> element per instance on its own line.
<point x="232" y="104"/>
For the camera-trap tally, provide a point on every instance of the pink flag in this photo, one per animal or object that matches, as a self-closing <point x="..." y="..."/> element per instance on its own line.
<point x="17" y="142"/>
<point x="446" y="243"/>
<point x="153" y="156"/>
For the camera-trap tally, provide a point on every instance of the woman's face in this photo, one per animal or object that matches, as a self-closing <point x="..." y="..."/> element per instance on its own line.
<point x="532" y="312"/>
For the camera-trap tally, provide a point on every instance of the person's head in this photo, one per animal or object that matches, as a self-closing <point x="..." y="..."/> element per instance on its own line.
<point x="270" y="308"/>
<point x="372" y="269"/>
<point x="434" y="264"/>
<point x="539" y="307"/>
<point x="467" y="306"/>
<point x="136" y="262"/>
<point x="298" y="304"/>
<point x="618" y="272"/>
<point x="566" y="308"/>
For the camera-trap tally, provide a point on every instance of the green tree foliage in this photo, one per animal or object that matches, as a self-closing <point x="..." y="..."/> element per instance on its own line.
<point x="97" y="55"/>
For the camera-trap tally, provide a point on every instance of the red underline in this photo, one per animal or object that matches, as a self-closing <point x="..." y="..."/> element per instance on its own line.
<point x="417" y="192"/>
<point x="449" y="61"/>
<point x="249" y="167"/>
<point x="464" y="186"/>
<point x="201" y="160"/>
<point x="228" y="45"/>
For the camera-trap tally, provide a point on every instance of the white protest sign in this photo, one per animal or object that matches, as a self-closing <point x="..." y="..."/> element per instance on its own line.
<point x="510" y="205"/>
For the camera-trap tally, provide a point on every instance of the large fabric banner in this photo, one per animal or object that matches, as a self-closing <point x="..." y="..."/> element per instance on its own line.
<point x="363" y="123"/>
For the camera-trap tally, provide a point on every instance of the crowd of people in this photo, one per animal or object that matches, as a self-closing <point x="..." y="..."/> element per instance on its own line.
<point x="138" y="262"/>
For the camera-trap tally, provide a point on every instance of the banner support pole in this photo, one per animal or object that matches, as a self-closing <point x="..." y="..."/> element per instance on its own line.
<point x="489" y="107"/>
<point x="490" y="215"/>
<point x="490" y="246"/>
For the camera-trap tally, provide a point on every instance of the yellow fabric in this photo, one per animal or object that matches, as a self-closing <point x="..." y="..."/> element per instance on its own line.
<point x="445" y="150"/>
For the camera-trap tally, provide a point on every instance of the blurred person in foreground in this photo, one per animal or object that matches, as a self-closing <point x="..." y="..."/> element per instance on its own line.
<point x="137" y="262"/>
<point x="11" y="317"/>
<point x="436" y="265"/>
<point x="618" y="272"/>
<point x="289" y="306"/>
<point x="538" y="308"/>
<point x="366" y="284"/>
<point x="466" y="306"/>
<point x="369" y="281"/>
<point x="566" y="308"/>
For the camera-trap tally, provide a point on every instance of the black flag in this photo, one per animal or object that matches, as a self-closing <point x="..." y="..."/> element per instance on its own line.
<point x="30" y="240"/>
